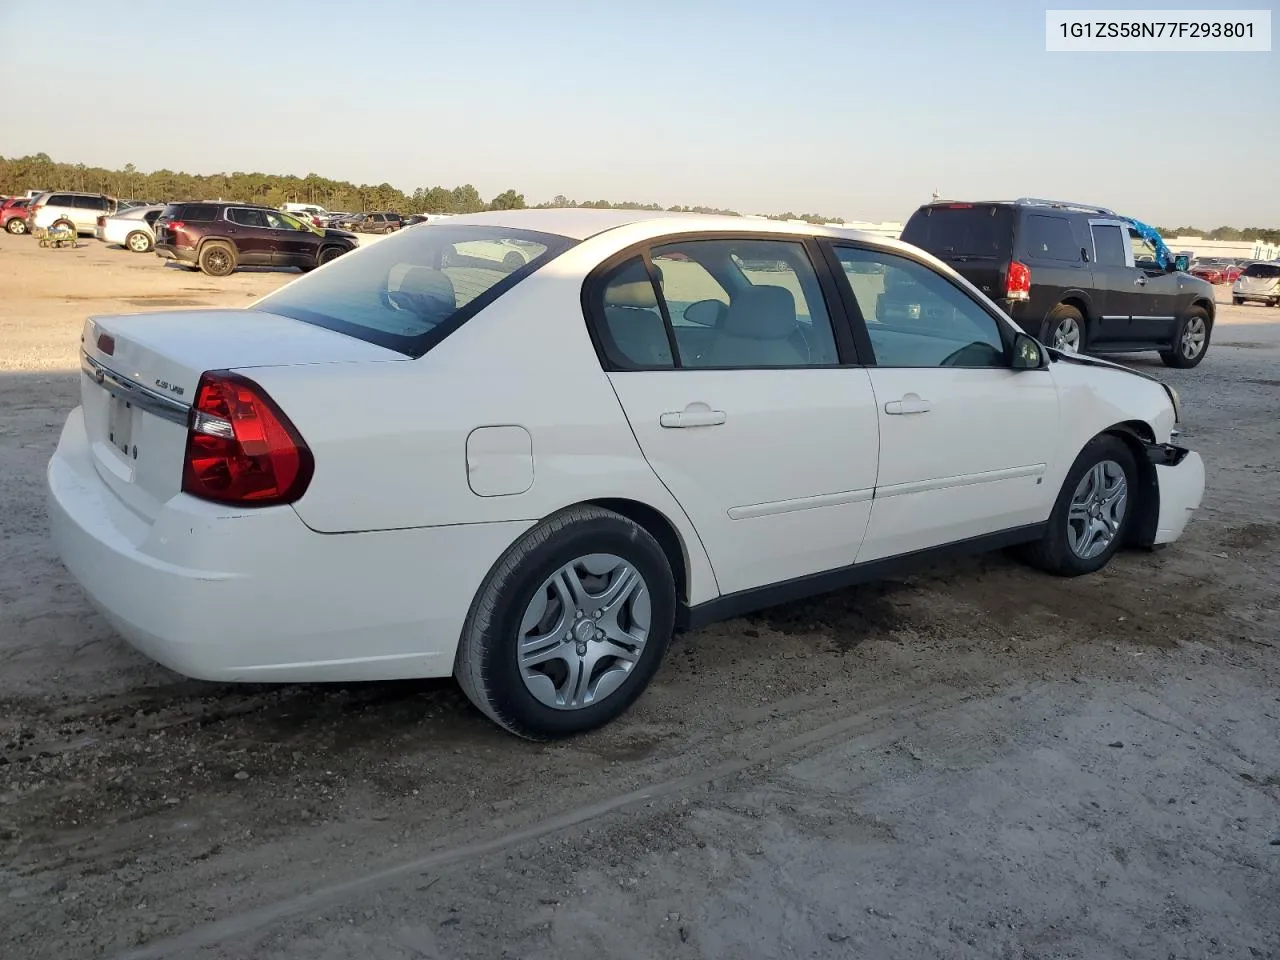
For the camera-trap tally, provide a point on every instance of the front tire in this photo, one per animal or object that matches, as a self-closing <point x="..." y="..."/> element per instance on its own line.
<point x="17" y="226"/>
<point x="138" y="242"/>
<point x="570" y="625"/>
<point x="1191" y="342"/>
<point x="217" y="259"/>
<point x="1092" y="515"/>
<point x="1065" y="330"/>
<point x="327" y="254"/>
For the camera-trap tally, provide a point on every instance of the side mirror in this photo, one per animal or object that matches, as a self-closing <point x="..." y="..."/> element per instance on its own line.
<point x="1181" y="262"/>
<point x="1028" y="354"/>
<point x="705" y="313"/>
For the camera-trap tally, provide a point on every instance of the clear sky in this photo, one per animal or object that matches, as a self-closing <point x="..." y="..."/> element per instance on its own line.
<point x="841" y="107"/>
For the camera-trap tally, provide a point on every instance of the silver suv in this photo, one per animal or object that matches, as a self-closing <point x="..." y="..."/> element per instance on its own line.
<point x="1259" y="283"/>
<point x="80" y="210"/>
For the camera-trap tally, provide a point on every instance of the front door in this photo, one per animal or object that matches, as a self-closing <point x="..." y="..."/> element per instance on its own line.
<point x="742" y="406"/>
<point x="1151" y="317"/>
<point x="965" y="440"/>
<point x="295" y="244"/>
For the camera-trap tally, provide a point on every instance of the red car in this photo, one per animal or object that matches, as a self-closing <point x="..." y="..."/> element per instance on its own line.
<point x="1216" y="271"/>
<point x="14" y="213"/>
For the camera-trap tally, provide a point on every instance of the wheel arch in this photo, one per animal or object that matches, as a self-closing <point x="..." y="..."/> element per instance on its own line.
<point x="658" y="526"/>
<point x="1139" y="437"/>
<point x="1205" y="304"/>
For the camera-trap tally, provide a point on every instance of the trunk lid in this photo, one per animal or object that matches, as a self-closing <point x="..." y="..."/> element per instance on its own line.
<point x="140" y="373"/>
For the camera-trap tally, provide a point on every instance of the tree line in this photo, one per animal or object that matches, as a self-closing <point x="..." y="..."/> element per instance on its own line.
<point x="39" y="171"/>
<point x="1247" y="234"/>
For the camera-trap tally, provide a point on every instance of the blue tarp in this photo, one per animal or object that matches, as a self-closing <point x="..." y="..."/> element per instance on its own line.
<point x="1163" y="256"/>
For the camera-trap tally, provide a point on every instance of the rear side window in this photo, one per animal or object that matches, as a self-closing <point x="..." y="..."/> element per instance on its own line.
<point x="962" y="231"/>
<point x="1049" y="238"/>
<point x="413" y="289"/>
<point x="197" y="212"/>
<point x="1109" y="243"/>
<point x="1263" y="271"/>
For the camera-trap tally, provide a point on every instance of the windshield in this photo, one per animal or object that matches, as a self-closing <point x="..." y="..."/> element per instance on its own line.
<point x="410" y="291"/>
<point x="1264" y="271"/>
<point x="963" y="230"/>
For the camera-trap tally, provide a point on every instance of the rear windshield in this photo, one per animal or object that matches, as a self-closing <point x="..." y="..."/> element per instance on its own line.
<point x="410" y="291"/>
<point x="1263" y="271"/>
<point x="971" y="232"/>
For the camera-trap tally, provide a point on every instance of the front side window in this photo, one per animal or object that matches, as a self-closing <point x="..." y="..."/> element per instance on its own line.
<point x="410" y="291"/>
<point x="281" y="221"/>
<point x="59" y="200"/>
<point x="1144" y="251"/>
<point x="246" y="217"/>
<point x="916" y="317"/>
<point x="1109" y="243"/>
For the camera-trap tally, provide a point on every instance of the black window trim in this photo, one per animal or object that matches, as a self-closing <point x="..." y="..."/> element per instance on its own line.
<point x="854" y="310"/>
<point x="847" y="347"/>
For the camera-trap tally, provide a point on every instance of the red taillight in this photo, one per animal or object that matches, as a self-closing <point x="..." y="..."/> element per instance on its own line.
<point x="241" y="448"/>
<point x="175" y="224"/>
<point x="958" y="206"/>
<point x="106" y="343"/>
<point x="1017" y="282"/>
<point x="102" y="221"/>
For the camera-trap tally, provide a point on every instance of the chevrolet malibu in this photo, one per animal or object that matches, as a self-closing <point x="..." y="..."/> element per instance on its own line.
<point x="423" y="459"/>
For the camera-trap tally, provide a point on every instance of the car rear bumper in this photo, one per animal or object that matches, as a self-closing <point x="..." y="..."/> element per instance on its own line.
<point x="255" y="595"/>
<point x="1180" y="478"/>
<point x="171" y="252"/>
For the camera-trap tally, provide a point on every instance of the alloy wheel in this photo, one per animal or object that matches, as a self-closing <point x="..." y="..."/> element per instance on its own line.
<point x="1066" y="335"/>
<point x="1194" y="335"/>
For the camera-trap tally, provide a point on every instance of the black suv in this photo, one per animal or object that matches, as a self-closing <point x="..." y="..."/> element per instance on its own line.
<point x="218" y="237"/>
<point x="1079" y="278"/>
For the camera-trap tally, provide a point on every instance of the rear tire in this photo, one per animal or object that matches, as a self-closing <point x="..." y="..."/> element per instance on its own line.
<point x="1238" y="301"/>
<point x="1191" y="342"/>
<point x="17" y="226"/>
<point x="518" y="615"/>
<point x="217" y="259"/>
<point x="1065" y="329"/>
<point x="138" y="242"/>
<point x="1079" y="524"/>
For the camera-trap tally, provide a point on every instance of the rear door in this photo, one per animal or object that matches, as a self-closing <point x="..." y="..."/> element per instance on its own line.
<point x="965" y="440"/>
<point x="745" y="398"/>
<point x="1047" y="243"/>
<point x="1116" y="282"/>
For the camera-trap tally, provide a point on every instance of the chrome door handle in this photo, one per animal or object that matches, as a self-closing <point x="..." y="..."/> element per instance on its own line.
<point x="908" y="404"/>
<point x="694" y="415"/>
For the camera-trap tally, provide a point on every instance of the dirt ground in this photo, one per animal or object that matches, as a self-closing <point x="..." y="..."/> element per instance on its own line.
<point x="975" y="761"/>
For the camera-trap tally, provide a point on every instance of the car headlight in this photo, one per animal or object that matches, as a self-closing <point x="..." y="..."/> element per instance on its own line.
<point x="1175" y="400"/>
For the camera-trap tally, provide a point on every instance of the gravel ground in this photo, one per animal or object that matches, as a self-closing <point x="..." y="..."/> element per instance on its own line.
<point x="975" y="761"/>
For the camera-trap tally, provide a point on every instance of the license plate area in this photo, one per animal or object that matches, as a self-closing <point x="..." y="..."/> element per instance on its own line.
<point x="120" y="414"/>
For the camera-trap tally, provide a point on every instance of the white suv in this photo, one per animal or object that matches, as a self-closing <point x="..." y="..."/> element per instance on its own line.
<point x="80" y="210"/>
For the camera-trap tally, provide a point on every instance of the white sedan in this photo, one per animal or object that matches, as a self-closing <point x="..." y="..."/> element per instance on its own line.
<point x="416" y="461"/>
<point x="132" y="228"/>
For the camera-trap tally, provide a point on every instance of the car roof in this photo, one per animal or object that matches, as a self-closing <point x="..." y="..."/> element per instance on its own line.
<point x="578" y="223"/>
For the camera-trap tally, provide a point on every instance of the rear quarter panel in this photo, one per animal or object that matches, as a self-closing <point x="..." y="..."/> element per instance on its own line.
<point x="390" y="440"/>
